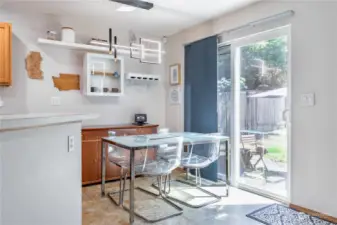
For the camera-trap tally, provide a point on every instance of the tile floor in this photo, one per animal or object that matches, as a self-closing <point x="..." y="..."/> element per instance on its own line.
<point x="231" y="210"/>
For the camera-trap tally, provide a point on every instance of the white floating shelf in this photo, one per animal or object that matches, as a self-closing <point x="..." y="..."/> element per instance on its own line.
<point x="93" y="48"/>
<point x="104" y="94"/>
<point x="144" y="77"/>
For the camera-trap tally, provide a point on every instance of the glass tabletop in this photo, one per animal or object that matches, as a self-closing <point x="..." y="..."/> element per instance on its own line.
<point x="256" y="132"/>
<point x="141" y="141"/>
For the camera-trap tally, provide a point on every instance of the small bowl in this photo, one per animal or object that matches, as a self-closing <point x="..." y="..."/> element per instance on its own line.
<point x="105" y="89"/>
<point x="94" y="89"/>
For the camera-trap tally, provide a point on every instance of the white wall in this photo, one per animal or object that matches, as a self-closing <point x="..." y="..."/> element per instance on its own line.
<point x="313" y="67"/>
<point x="40" y="179"/>
<point x="27" y="95"/>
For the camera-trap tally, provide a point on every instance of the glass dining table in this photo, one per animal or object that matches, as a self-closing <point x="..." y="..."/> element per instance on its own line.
<point x="139" y="142"/>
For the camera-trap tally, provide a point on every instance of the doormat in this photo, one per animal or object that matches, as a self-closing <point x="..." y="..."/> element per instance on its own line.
<point x="277" y="214"/>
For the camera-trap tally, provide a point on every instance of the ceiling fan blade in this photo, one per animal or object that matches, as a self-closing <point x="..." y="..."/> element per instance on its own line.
<point x="136" y="3"/>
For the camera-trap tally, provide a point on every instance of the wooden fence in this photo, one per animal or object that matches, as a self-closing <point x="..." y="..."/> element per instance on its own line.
<point x="262" y="114"/>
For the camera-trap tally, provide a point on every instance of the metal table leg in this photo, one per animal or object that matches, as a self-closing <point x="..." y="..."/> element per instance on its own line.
<point x="132" y="186"/>
<point x="103" y="168"/>
<point x="227" y="168"/>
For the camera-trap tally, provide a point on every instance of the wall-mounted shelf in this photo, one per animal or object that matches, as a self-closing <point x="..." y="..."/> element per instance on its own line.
<point x="92" y="48"/>
<point x="103" y="94"/>
<point x="97" y="79"/>
<point x="143" y="77"/>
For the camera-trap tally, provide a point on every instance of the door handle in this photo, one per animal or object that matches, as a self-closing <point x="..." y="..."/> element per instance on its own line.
<point x="285" y="115"/>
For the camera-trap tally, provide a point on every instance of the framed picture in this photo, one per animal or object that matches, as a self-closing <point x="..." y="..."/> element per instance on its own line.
<point x="174" y="96"/>
<point x="175" y="74"/>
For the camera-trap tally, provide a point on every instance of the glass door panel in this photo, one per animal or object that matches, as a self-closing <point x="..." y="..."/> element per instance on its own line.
<point x="224" y="102"/>
<point x="262" y="103"/>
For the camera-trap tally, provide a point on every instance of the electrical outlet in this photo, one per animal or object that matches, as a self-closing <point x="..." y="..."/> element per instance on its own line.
<point x="71" y="143"/>
<point x="55" y="101"/>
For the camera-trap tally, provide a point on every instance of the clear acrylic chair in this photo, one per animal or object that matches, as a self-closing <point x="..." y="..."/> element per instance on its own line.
<point x="148" y="164"/>
<point x="200" y="158"/>
<point x="197" y="157"/>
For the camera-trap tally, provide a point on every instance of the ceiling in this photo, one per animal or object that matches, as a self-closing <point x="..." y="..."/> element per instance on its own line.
<point x="166" y="18"/>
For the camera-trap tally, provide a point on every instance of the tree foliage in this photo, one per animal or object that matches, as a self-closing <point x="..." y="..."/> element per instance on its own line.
<point x="264" y="64"/>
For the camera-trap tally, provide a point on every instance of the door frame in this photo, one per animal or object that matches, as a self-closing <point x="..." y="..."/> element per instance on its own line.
<point x="235" y="108"/>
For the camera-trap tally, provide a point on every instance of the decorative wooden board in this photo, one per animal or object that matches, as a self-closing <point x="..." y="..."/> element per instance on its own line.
<point x="33" y="65"/>
<point x="67" y="82"/>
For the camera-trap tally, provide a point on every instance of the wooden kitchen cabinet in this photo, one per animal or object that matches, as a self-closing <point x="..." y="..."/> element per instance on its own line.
<point x="91" y="150"/>
<point x="91" y="170"/>
<point x="5" y="54"/>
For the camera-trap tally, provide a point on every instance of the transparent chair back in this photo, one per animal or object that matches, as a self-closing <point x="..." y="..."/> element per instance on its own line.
<point x="116" y="155"/>
<point x="166" y="156"/>
<point x="201" y="155"/>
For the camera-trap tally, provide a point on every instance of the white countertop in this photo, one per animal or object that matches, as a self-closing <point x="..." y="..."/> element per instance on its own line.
<point x="23" y="121"/>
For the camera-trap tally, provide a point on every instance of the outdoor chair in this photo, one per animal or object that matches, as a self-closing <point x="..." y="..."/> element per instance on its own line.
<point x="252" y="147"/>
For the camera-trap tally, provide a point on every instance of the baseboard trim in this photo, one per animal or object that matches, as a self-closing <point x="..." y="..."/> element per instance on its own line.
<point x="314" y="213"/>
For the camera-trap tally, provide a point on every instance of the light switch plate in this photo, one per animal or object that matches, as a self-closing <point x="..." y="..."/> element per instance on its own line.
<point x="71" y="143"/>
<point x="55" y="101"/>
<point x="1" y="102"/>
<point x="308" y="100"/>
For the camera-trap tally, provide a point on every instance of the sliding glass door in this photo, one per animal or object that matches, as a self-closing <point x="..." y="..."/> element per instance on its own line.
<point x="224" y="102"/>
<point x="260" y="112"/>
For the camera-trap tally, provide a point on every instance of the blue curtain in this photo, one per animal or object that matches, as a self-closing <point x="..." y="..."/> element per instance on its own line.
<point x="200" y="114"/>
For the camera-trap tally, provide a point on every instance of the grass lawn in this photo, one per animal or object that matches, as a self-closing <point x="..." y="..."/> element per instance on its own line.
<point x="277" y="153"/>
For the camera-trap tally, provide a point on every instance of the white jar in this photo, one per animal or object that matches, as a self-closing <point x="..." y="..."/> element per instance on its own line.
<point x="68" y="34"/>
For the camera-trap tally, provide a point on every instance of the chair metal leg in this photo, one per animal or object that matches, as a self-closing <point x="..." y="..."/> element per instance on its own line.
<point x="121" y="191"/>
<point x="159" y="187"/>
<point x="264" y="169"/>
<point x="165" y="184"/>
<point x="162" y="194"/>
<point x="169" y="184"/>
<point x="158" y="181"/>
<point x="199" y="172"/>
<point x="217" y="198"/>
<point x="187" y="173"/>
<point x="257" y="162"/>
<point x="120" y="186"/>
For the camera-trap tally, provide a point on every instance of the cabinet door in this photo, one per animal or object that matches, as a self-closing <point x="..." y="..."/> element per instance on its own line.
<point x="112" y="171"/>
<point x="91" y="158"/>
<point x="5" y="54"/>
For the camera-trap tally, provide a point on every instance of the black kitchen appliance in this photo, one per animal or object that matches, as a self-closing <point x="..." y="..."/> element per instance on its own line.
<point x="140" y="119"/>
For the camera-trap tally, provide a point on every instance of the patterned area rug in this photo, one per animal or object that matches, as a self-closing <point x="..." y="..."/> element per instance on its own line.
<point x="281" y="215"/>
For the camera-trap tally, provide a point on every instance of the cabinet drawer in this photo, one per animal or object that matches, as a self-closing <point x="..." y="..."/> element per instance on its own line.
<point x="126" y="132"/>
<point x="146" y="130"/>
<point x="94" y="135"/>
<point x="135" y="131"/>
